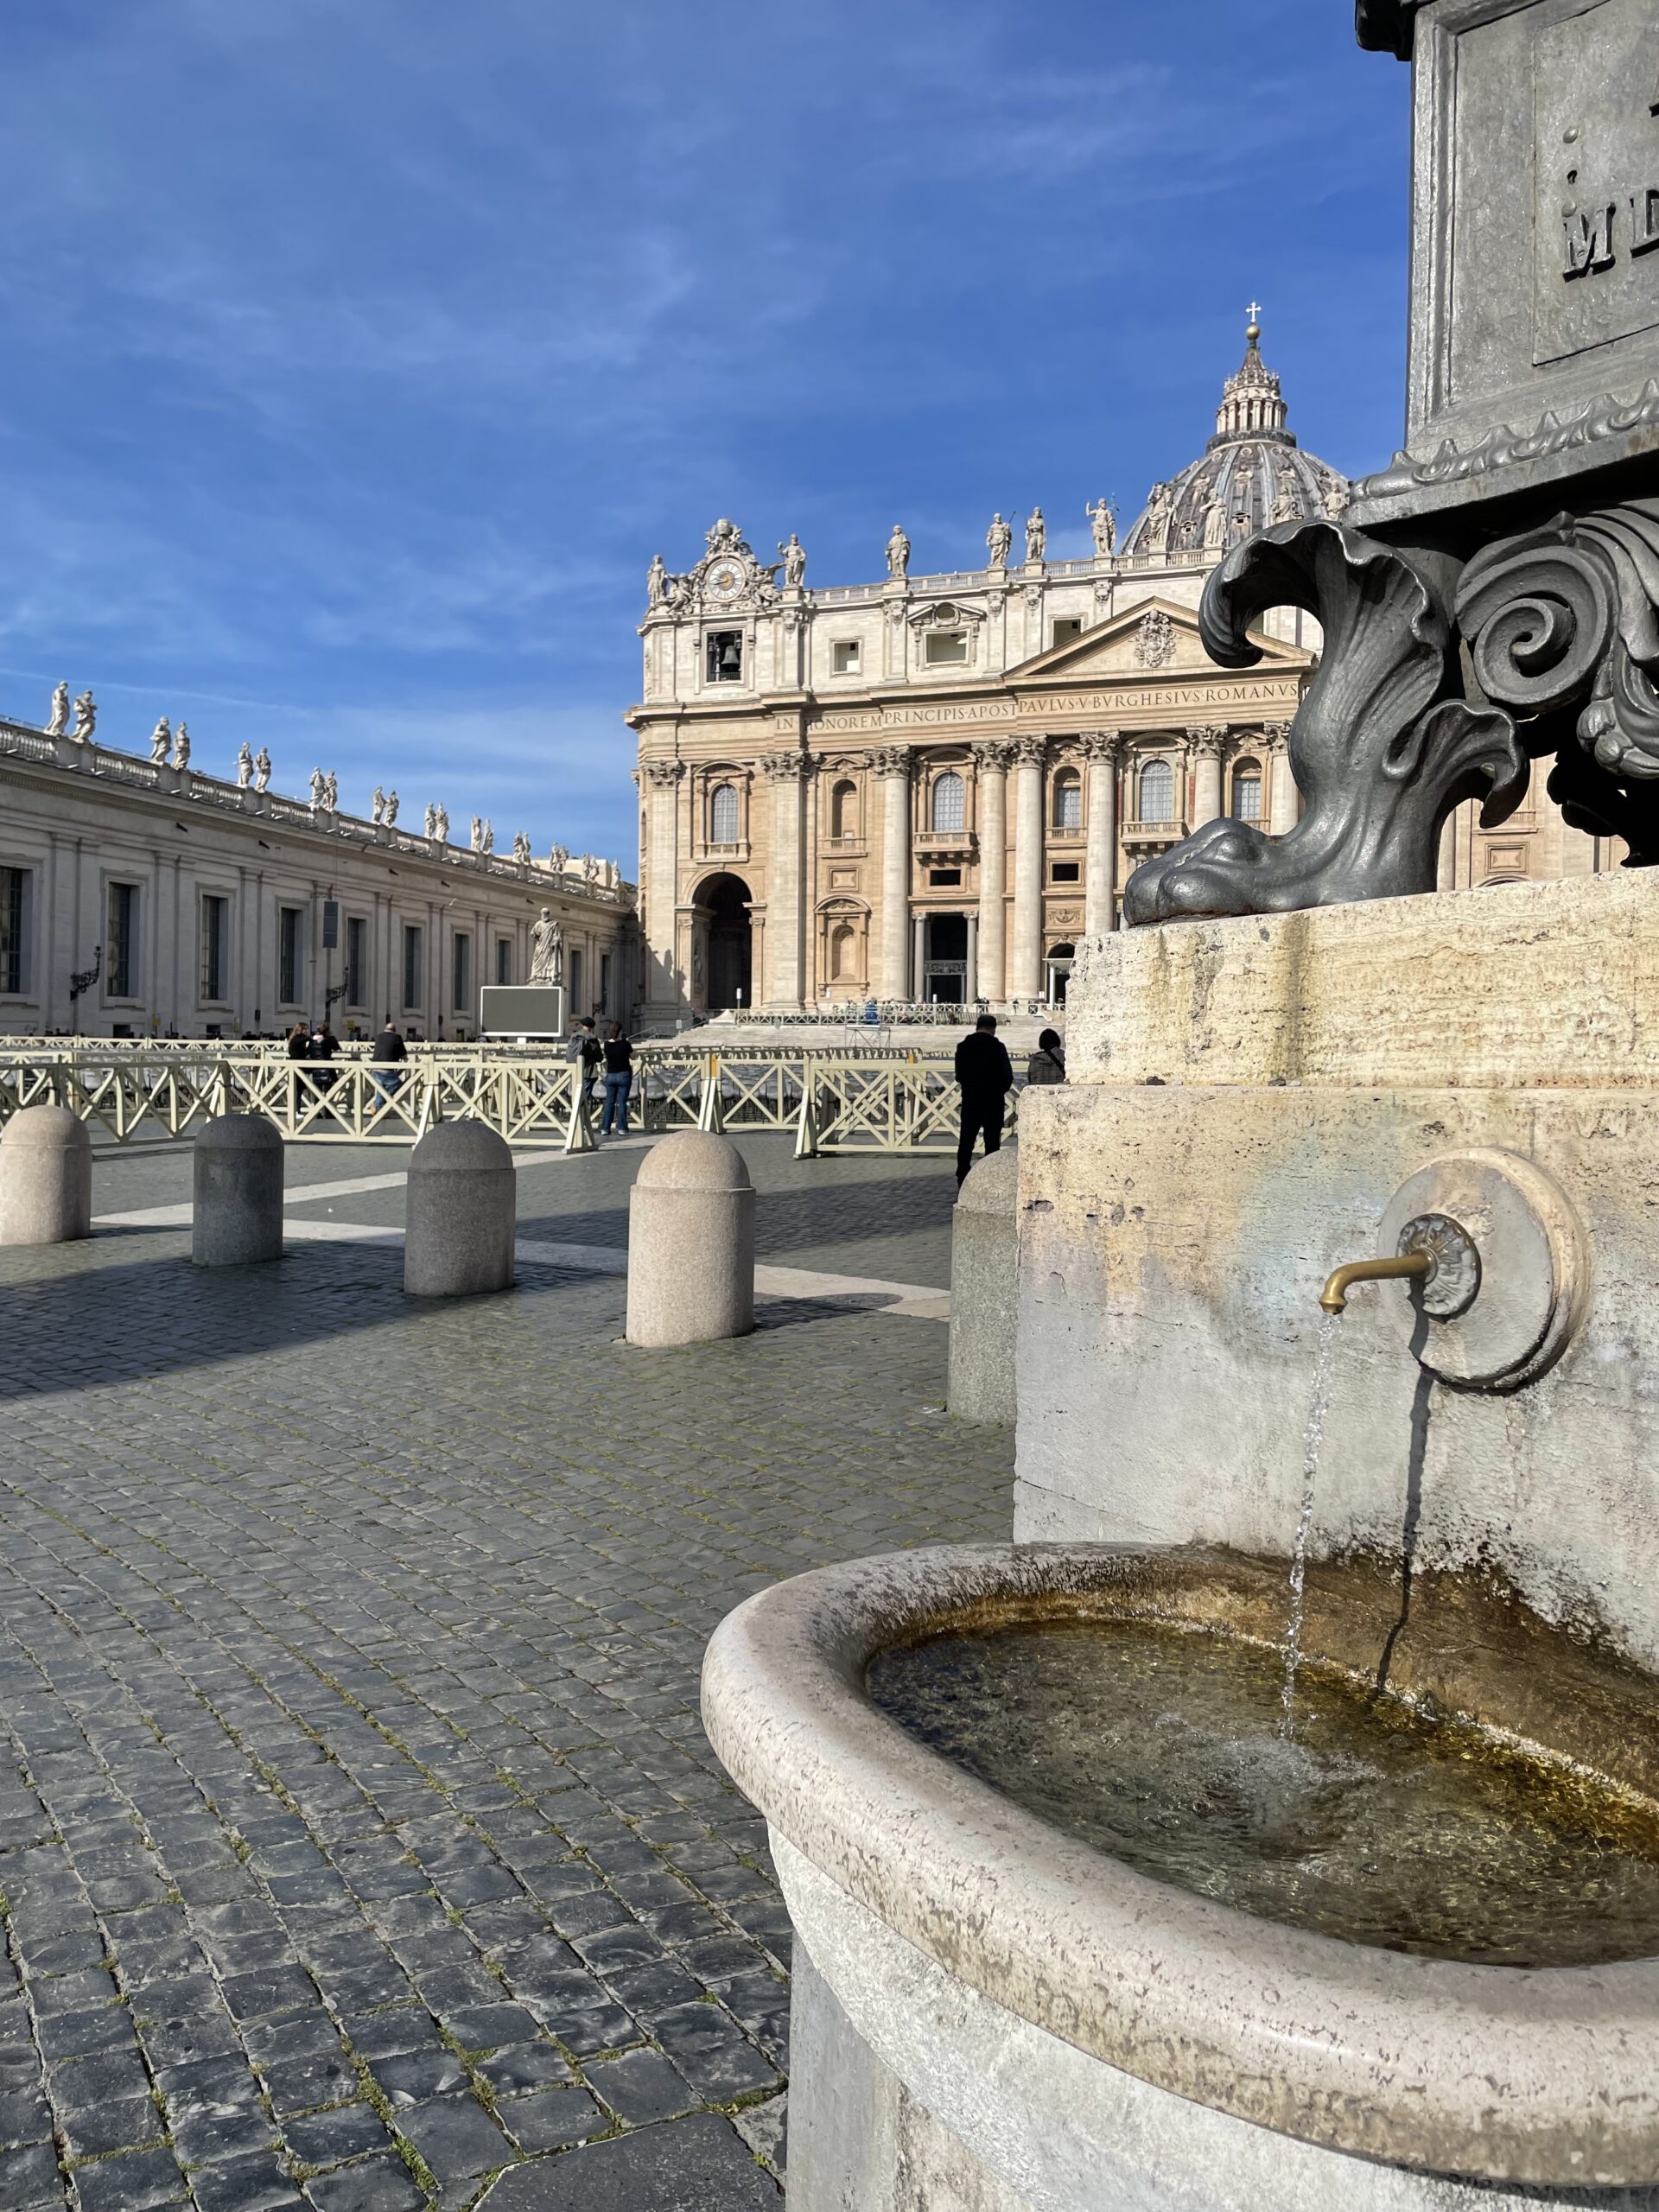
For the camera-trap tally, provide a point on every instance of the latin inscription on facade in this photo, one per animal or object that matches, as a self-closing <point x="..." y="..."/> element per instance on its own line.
<point x="1047" y="707"/>
<point x="1596" y="172"/>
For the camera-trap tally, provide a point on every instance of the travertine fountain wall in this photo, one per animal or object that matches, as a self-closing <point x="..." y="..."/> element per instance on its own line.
<point x="1246" y="1099"/>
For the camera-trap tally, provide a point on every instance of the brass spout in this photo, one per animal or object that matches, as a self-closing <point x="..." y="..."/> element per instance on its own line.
<point x="1334" y="1297"/>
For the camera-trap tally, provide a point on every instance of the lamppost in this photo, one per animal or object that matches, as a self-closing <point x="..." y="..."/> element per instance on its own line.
<point x="82" y="980"/>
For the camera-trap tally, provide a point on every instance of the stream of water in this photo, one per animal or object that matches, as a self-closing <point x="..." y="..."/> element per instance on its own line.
<point x="1313" y="1444"/>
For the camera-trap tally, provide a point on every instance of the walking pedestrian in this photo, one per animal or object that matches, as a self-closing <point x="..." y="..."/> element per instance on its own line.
<point x="985" y="1078"/>
<point x="1047" y="1063"/>
<point x="619" y="1082"/>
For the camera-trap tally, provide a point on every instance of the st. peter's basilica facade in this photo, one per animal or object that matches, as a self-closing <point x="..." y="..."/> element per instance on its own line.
<point x="929" y="787"/>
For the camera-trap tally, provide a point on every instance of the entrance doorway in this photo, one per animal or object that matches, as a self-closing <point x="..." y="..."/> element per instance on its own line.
<point x="1059" y="972"/>
<point x="945" y="958"/>
<point x="725" y="900"/>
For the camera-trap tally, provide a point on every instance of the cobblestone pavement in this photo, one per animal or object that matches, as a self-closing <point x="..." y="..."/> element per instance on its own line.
<point x="357" y="1836"/>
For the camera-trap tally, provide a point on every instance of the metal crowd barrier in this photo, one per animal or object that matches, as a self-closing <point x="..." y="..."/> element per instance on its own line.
<point x="831" y="1101"/>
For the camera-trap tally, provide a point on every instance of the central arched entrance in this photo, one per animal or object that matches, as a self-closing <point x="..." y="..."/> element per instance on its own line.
<point x="724" y="900"/>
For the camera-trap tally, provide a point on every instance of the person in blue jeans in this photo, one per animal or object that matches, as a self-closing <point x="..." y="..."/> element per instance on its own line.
<point x="619" y="1082"/>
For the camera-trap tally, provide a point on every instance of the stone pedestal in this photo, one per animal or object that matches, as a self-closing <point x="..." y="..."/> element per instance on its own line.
<point x="983" y="1283"/>
<point x="690" y="1242"/>
<point x="45" y="1178"/>
<point x="236" y="1176"/>
<point x="462" y="1207"/>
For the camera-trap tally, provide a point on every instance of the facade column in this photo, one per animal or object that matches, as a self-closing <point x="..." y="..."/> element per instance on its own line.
<point x="992" y="754"/>
<point x="890" y="765"/>
<point x="786" y="882"/>
<point x="661" y="886"/>
<point x="1206" y="744"/>
<point x="1025" y="968"/>
<point x="1284" y="800"/>
<point x="1101" y="751"/>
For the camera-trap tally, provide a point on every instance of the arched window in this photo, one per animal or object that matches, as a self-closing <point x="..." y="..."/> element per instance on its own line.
<point x="1246" y="792"/>
<point x="1155" y="792"/>
<point x="843" y="810"/>
<point x="722" y="814"/>
<point x="1068" y="800"/>
<point x="950" y="801"/>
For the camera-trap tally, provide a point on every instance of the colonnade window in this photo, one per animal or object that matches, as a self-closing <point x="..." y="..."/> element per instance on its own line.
<point x="1155" y="792"/>
<point x="1246" y="792"/>
<point x="357" y="960"/>
<point x="215" y="930"/>
<point x="1068" y="800"/>
<point x="121" y="954"/>
<point x="950" y="801"/>
<point x="843" y="810"/>
<point x="722" y="814"/>
<point x="12" y="908"/>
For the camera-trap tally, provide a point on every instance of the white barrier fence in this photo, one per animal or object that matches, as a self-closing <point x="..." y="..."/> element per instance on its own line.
<point x="833" y="1101"/>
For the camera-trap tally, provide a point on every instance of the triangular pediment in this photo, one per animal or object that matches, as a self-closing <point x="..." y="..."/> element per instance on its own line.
<point x="1128" y="645"/>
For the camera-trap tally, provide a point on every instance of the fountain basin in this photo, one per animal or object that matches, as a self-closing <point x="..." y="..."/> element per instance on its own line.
<point x="989" y="2005"/>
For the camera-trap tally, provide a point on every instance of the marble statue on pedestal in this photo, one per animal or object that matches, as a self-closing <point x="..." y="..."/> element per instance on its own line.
<point x="546" y="949"/>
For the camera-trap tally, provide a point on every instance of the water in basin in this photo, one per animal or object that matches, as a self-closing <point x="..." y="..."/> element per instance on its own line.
<point x="1163" y="1746"/>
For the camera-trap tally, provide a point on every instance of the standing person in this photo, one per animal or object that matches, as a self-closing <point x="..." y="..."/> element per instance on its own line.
<point x="1047" y="1063"/>
<point x="390" y="1051"/>
<point x="619" y="1081"/>
<point x="986" y="1078"/>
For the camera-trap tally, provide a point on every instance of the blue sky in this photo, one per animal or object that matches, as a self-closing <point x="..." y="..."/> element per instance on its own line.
<point x="359" y="353"/>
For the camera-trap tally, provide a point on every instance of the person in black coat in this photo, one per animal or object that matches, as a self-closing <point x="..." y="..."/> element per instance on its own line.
<point x="985" y="1078"/>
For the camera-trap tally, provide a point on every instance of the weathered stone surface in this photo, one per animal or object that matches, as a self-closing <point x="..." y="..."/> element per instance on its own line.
<point x="697" y="2165"/>
<point x="45" y="1178"/>
<point x="236" y="1176"/>
<point x="1552" y="983"/>
<point x="690" y="1242"/>
<point x="458" y="1239"/>
<point x="1172" y="1246"/>
<point x="984" y="1281"/>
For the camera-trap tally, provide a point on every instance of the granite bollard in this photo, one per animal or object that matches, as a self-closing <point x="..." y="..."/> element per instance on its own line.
<point x="237" y="1183"/>
<point x="463" y="1202"/>
<point x="690" y="1242"/>
<point x="984" y="1287"/>
<point x="45" y="1178"/>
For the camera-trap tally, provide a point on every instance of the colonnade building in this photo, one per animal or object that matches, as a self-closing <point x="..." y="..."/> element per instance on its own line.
<point x="928" y="787"/>
<point x="139" y="896"/>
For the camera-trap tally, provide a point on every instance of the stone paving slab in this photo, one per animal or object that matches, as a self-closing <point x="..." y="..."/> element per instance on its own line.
<point x="359" y="1840"/>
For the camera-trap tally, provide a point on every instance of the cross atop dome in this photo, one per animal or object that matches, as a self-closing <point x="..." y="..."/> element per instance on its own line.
<point x="1251" y="403"/>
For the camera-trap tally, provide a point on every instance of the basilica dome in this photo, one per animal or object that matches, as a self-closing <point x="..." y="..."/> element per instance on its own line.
<point x="1252" y="472"/>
